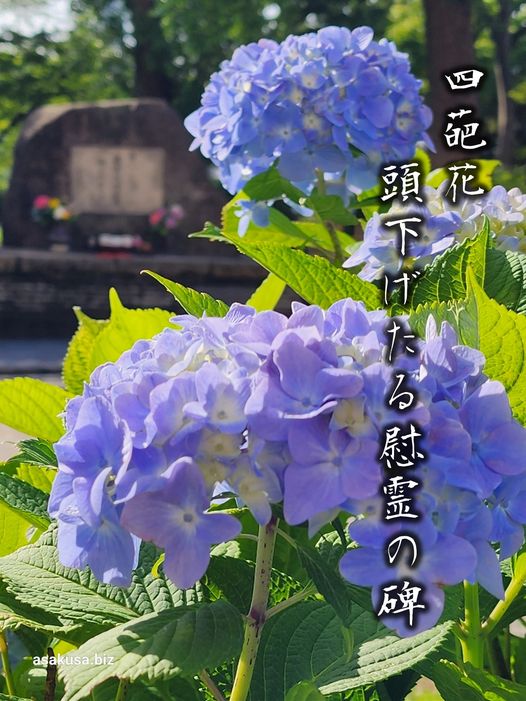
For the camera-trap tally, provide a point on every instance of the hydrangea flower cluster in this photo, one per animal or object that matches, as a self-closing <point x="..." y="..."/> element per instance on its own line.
<point x="443" y="224"/>
<point x="306" y="102"/>
<point x="287" y="409"/>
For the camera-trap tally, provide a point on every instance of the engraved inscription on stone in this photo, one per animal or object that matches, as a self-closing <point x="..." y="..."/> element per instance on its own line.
<point x="116" y="180"/>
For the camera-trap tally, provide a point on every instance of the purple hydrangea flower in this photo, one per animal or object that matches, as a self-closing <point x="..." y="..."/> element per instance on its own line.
<point x="174" y="518"/>
<point x="304" y="103"/>
<point x="443" y="224"/>
<point x="292" y="410"/>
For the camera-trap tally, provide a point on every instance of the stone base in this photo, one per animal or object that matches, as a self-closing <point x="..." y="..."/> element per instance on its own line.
<point x="39" y="288"/>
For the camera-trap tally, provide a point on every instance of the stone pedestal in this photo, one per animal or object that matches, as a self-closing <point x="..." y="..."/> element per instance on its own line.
<point x="111" y="163"/>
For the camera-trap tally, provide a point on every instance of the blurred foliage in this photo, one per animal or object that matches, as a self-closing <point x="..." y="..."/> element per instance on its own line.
<point x="119" y="48"/>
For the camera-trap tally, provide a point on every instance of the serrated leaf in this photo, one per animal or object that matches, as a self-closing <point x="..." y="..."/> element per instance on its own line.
<point x="26" y="500"/>
<point x="506" y="279"/>
<point x="232" y="579"/>
<point x="328" y="582"/>
<point x="502" y="339"/>
<point x="34" y="451"/>
<point x="159" y="646"/>
<point x="40" y="477"/>
<point x="304" y="691"/>
<point x="14" y="614"/>
<point x="461" y="315"/>
<point x="267" y="294"/>
<point x="445" y="278"/>
<point x="193" y="302"/>
<point x="474" y="684"/>
<point x="33" y="407"/>
<point x="76" y="368"/>
<point x="306" y="642"/>
<point x="314" y="278"/>
<point x="125" y="327"/>
<point x="36" y="577"/>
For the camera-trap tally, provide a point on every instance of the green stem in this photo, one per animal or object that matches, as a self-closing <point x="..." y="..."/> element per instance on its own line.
<point x="8" y="674"/>
<point x="512" y="591"/>
<point x="339" y="256"/>
<point x="211" y="685"/>
<point x="258" y="611"/>
<point x="308" y="591"/>
<point x="472" y="642"/>
<point x="122" y="691"/>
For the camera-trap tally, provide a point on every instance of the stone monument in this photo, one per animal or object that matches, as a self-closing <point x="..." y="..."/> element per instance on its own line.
<point x="112" y="163"/>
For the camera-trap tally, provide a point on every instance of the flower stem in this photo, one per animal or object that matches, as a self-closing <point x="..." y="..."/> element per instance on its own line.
<point x="339" y="256"/>
<point x="472" y="642"/>
<point x="4" y="655"/>
<point x="303" y="594"/>
<point x="211" y="685"/>
<point x="258" y="611"/>
<point x="122" y="691"/>
<point x="512" y="591"/>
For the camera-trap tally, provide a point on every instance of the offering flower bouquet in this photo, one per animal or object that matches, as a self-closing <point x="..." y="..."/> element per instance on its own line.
<point x="166" y="219"/>
<point x="47" y="211"/>
<point x="234" y="502"/>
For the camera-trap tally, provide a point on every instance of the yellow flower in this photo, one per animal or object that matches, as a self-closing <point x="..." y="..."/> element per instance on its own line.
<point x="53" y="202"/>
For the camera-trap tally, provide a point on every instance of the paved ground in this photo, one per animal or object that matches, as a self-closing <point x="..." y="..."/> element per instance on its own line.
<point x="23" y="357"/>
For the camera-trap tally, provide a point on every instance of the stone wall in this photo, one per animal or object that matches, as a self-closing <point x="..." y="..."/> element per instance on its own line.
<point x="39" y="288"/>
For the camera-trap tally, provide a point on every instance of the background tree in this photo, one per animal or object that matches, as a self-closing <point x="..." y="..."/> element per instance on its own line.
<point x="168" y="48"/>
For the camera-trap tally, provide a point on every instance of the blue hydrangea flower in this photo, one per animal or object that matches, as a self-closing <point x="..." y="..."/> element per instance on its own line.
<point x="174" y="518"/>
<point x="304" y="103"/>
<point x="289" y="410"/>
<point x="443" y="225"/>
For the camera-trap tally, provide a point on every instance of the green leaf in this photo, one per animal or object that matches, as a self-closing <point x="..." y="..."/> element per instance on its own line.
<point x="314" y="278"/>
<point x="26" y="500"/>
<point x="33" y="407"/>
<point x="502" y="339"/>
<point x="306" y="642"/>
<point x="14" y="614"/>
<point x="271" y="185"/>
<point x="474" y="684"/>
<point x="304" y="691"/>
<point x="232" y="579"/>
<point x="76" y="368"/>
<point x="462" y="316"/>
<point x="3" y="697"/>
<point x="445" y="278"/>
<point x="178" y="689"/>
<point x="36" y="577"/>
<point x="159" y="646"/>
<point x="15" y="530"/>
<point x="280" y="229"/>
<point x="34" y="451"/>
<point x="193" y="302"/>
<point x="505" y="280"/>
<point x="125" y="327"/>
<point x="485" y="168"/>
<point x="317" y="236"/>
<point x="328" y="582"/>
<point x="331" y="208"/>
<point x="267" y="294"/>
<point x="40" y="477"/>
